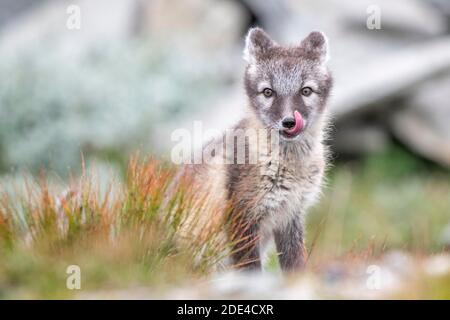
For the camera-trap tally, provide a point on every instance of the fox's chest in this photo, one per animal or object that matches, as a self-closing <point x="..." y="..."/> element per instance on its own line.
<point x="287" y="189"/>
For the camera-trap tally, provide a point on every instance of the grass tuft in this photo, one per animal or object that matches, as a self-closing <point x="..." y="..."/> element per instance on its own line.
<point x="144" y="231"/>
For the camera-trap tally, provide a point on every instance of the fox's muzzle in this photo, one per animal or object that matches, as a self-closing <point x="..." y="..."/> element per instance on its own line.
<point x="293" y="125"/>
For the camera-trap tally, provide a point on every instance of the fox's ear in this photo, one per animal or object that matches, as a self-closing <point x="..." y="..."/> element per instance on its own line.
<point x="256" y="44"/>
<point x="316" y="45"/>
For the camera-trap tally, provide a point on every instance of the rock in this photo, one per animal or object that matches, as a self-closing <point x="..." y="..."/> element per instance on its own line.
<point x="423" y="125"/>
<point x="413" y="17"/>
<point x="202" y="24"/>
<point x="9" y="9"/>
<point x="391" y="75"/>
<point x="438" y="265"/>
<point x="399" y="262"/>
<point x="442" y="5"/>
<point x="269" y="13"/>
<point x="239" y="284"/>
<point x="359" y="139"/>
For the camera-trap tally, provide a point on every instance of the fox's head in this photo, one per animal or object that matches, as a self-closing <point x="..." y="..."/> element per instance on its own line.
<point x="287" y="86"/>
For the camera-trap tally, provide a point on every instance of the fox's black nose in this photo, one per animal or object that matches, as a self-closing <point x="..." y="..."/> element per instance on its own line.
<point x="288" y="122"/>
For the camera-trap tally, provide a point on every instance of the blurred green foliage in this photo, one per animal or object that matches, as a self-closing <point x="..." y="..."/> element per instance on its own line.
<point x="390" y="200"/>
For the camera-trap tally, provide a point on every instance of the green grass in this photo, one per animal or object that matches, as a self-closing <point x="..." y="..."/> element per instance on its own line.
<point x="392" y="200"/>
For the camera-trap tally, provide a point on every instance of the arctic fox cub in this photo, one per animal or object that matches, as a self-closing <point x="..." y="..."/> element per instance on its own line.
<point x="269" y="189"/>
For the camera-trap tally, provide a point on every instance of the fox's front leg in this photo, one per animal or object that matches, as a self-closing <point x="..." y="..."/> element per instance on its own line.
<point x="246" y="245"/>
<point x="290" y="245"/>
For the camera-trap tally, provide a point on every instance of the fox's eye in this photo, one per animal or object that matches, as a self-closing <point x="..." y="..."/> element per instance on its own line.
<point x="267" y="92"/>
<point x="306" y="91"/>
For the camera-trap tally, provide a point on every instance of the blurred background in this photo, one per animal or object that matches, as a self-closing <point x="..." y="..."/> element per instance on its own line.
<point x="136" y="70"/>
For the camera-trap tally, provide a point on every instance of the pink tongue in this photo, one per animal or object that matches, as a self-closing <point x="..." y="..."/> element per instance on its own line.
<point x="298" y="124"/>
